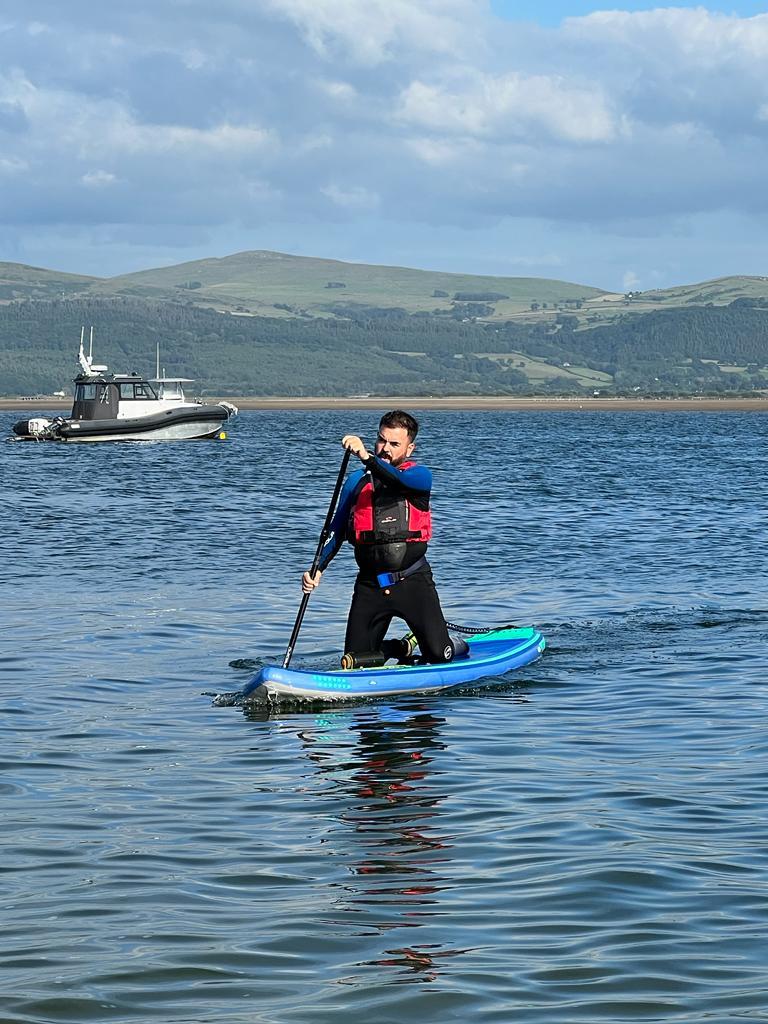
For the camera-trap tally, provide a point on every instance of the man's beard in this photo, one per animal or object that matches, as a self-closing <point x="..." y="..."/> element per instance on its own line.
<point x="395" y="462"/>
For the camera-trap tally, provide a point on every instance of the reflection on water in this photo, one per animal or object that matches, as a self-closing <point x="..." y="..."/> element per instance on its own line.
<point x="377" y="766"/>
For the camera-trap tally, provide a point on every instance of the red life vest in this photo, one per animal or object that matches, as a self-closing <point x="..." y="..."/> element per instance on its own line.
<point x="381" y="517"/>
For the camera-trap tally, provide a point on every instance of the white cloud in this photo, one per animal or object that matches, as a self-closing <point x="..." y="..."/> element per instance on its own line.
<point x="313" y="142"/>
<point x="696" y="35"/>
<point x="12" y="165"/>
<point x="352" y="198"/>
<point x="512" y="106"/>
<point x="80" y="125"/>
<point x="677" y="64"/>
<point x="440" y="152"/>
<point x="630" y="282"/>
<point x="224" y="139"/>
<point x="405" y="116"/>
<point x="98" y="179"/>
<point x="372" y="31"/>
<point x="260" y="192"/>
<point x="194" y="59"/>
<point x="337" y="90"/>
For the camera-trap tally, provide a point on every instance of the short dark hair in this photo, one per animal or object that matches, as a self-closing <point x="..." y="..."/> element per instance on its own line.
<point x="398" y="418"/>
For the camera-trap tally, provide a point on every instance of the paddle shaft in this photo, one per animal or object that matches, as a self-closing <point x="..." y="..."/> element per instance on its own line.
<point x="316" y="560"/>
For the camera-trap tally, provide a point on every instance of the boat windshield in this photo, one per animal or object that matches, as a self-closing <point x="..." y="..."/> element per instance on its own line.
<point x="85" y="392"/>
<point x="170" y="389"/>
<point x="138" y="390"/>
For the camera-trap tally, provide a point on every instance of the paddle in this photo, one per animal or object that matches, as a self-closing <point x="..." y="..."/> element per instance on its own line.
<point x="316" y="560"/>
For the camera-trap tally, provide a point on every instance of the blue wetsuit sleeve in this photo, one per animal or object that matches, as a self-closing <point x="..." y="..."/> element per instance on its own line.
<point x="415" y="479"/>
<point x="338" y="528"/>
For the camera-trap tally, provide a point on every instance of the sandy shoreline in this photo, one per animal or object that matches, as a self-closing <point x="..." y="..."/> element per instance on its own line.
<point x="466" y="404"/>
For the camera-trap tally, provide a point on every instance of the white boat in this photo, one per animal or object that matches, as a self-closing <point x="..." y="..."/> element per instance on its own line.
<point x="128" y="407"/>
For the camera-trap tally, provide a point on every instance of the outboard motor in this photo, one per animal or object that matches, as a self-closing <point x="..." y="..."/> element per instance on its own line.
<point x="38" y="427"/>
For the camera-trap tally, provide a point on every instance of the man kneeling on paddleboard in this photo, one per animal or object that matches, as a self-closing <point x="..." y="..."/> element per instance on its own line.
<point x="384" y="513"/>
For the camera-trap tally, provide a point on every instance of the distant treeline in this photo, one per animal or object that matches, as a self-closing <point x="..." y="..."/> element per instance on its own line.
<point x="228" y="354"/>
<point x="736" y="333"/>
<point x="380" y="350"/>
<point x="678" y="349"/>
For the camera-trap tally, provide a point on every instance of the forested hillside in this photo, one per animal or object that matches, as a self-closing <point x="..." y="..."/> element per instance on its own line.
<point x="235" y="355"/>
<point x="709" y="349"/>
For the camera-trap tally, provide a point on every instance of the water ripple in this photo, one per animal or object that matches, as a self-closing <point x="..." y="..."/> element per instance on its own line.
<point x="584" y="841"/>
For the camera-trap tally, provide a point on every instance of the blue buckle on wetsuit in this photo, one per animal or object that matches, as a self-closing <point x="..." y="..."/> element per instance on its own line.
<point x="389" y="579"/>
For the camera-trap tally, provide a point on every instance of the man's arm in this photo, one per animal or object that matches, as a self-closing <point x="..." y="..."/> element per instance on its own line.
<point x="416" y="479"/>
<point x="338" y="527"/>
<point x="338" y="531"/>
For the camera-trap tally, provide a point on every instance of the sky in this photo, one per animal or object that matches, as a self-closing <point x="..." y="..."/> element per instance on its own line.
<point x="623" y="147"/>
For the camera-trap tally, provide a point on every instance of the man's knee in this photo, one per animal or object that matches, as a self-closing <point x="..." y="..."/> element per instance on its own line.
<point x="455" y="648"/>
<point x="460" y="647"/>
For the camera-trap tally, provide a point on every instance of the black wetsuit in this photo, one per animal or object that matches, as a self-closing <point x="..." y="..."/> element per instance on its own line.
<point x="413" y="599"/>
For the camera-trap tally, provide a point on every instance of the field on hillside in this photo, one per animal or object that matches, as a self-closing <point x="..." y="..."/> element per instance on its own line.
<point x="536" y="370"/>
<point x="696" y="350"/>
<point x="256" y="280"/>
<point x="281" y="285"/>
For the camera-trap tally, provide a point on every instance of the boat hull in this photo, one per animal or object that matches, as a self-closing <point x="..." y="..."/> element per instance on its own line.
<point x="171" y="425"/>
<point x="491" y="655"/>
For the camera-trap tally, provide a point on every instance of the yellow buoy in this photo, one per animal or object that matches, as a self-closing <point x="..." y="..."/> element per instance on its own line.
<point x="223" y="436"/>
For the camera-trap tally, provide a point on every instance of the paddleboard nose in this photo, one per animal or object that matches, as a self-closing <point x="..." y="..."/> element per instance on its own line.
<point x="253" y="684"/>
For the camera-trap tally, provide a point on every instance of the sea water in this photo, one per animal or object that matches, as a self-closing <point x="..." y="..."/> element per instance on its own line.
<point x="584" y="841"/>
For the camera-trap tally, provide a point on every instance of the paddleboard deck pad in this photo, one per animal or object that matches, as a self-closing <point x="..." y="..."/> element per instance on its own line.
<point x="491" y="655"/>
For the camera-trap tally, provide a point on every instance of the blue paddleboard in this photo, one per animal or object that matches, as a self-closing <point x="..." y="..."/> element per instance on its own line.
<point x="491" y="654"/>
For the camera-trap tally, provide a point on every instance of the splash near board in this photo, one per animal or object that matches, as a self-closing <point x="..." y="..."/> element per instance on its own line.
<point x="492" y="653"/>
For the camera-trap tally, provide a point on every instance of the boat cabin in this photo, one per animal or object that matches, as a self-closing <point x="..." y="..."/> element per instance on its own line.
<point x="110" y="398"/>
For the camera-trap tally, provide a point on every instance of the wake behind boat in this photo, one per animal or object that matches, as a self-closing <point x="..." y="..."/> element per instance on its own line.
<point x="128" y="407"/>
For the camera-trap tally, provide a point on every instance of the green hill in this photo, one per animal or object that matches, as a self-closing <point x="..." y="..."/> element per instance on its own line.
<point x="19" y="281"/>
<point x="269" y="323"/>
<point x="719" y="291"/>
<point x="281" y="285"/>
<point x="274" y="283"/>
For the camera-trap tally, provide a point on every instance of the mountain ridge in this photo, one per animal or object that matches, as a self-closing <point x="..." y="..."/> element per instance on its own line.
<point x="284" y="284"/>
<point x="267" y="323"/>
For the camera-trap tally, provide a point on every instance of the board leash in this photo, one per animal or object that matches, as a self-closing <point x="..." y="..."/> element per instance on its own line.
<point x="478" y="629"/>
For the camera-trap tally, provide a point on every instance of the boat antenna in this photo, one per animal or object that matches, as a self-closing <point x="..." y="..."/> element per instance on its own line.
<point x="157" y="361"/>
<point x="81" y="356"/>
<point x="86" y="361"/>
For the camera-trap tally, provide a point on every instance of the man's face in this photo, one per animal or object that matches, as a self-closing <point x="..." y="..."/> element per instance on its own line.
<point x="393" y="445"/>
